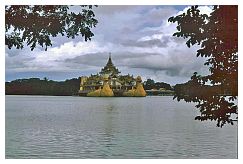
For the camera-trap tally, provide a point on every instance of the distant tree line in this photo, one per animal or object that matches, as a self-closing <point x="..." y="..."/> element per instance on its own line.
<point x="151" y="84"/>
<point x="36" y="86"/>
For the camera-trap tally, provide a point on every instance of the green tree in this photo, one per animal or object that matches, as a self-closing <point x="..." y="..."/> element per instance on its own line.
<point x="37" y="24"/>
<point x="45" y="79"/>
<point x="217" y="35"/>
<point x="149" y="82"/>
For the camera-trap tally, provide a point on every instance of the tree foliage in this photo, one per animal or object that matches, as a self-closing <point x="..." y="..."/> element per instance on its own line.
<point x="217" y="35"/>
<point x="37" y="24"/>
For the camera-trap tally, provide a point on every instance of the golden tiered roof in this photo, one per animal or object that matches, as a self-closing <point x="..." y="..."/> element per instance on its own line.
<point x="109" y="68"/>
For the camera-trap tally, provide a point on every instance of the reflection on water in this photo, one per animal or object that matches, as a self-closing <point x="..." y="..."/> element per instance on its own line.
<point x="82" y="127"/>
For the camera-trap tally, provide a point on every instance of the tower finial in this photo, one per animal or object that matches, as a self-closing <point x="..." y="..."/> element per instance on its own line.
<point x="109" y="54"/>
<point x="109" y="60"/>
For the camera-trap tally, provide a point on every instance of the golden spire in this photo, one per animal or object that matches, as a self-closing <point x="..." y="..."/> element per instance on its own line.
<point x="109" y="60"/>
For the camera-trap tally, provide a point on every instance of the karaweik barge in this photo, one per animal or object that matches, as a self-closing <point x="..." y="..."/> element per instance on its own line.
<point x="109" y="82"/>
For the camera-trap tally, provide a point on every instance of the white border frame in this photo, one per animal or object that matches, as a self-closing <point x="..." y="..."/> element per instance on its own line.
<point x="114" y="2"/>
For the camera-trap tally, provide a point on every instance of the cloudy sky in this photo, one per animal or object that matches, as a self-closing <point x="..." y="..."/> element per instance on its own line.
<point x="138" y="37"/>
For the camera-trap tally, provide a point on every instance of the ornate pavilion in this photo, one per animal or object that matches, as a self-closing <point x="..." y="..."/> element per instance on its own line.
<point x="109" y="82"/>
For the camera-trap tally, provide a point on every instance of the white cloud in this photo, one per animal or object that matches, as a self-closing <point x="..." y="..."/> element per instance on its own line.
<point x="203" y="10"/>
<point x="154" y="36"/>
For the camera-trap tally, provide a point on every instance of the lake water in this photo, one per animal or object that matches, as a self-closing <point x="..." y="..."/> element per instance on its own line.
<point x="82" y="127"/>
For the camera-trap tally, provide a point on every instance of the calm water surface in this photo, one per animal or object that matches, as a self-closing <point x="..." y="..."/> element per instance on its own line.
<point x="82" y="127"/>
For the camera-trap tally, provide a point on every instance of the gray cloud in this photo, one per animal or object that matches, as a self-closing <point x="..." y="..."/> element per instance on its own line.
<point x="17" y="59"/>
<point x="179" y="63"/>
<point x="163" y="42"/>
<point x="178" y="40"/>
<point x="126" y="22"/>
<point x="92" y="59"/>
<point x="100" y="59"/>
<point x="114" y="9"/>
